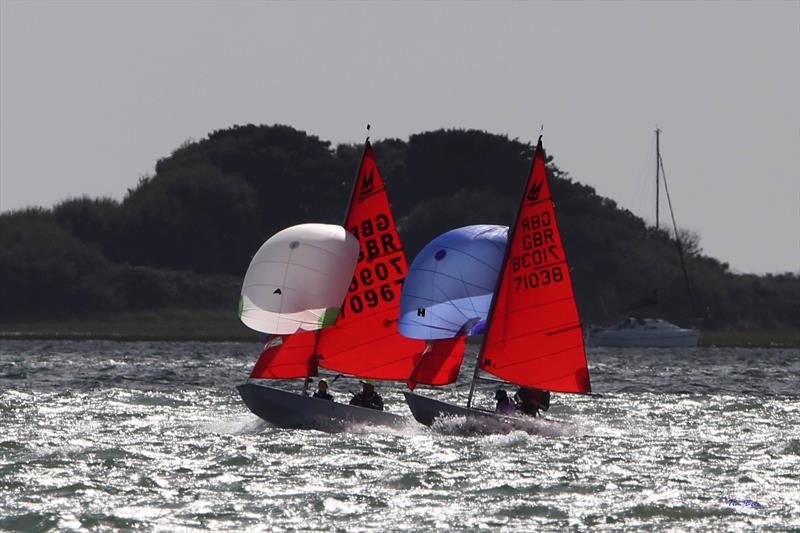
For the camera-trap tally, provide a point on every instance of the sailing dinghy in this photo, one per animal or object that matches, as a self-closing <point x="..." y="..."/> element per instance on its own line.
<point x="295" y="282"/>
<point x="533" y="333"/>
<point x="364" y="340"/>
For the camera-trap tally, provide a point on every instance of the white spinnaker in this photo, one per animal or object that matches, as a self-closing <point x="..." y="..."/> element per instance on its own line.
<point x="298" y="279"/>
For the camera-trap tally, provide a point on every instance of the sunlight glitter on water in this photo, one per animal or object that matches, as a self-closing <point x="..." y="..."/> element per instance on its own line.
<point x="83" y="448"/>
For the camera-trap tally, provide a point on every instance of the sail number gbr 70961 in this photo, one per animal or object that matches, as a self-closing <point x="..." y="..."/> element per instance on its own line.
<point x="375" y="280"/>
<point x="540" y="262"/>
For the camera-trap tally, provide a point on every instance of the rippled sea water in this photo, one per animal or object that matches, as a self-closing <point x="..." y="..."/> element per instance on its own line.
<point x="108" y="436"/>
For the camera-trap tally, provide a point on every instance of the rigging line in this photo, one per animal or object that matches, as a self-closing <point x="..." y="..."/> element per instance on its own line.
<point x="658" y="162"/>
<point x="441" y="328"/>
<point x="677" y="239"/>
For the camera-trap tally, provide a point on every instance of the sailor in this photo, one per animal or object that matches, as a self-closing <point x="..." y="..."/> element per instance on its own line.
<point x="530" y="400"/>
<point x="368" y="397"/>
<point x="504" y="403"/>
<point x="322" y="391"/>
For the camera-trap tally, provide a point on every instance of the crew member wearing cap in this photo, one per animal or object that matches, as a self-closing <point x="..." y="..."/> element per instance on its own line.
<point x="368" y="397"/>
<point x="322" y="391"/>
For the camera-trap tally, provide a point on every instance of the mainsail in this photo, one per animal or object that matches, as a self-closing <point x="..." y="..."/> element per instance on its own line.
<point x="365" y="340"/>
<point x="534" y="336"/>
<point x="298" y="278"/>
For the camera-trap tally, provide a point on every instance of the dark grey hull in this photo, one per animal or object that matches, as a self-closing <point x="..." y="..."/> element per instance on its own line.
<point x="427" y="411"/>
<point x="289" y="410"/>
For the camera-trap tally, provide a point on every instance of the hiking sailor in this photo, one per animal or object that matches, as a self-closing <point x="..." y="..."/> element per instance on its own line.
<point x="504" y="403"/>
<point x="368" y="397"/>
<point x="322" y="391"/>
<point x="530" y="401"/>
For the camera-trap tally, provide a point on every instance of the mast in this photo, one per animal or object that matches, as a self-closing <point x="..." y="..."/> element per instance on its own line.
<point x="658" y="166"/>
<point x="511" y="231"/>
<point x="677" y="240"/>
<point x="355" y="181"/>
<point x="318" y="332"/>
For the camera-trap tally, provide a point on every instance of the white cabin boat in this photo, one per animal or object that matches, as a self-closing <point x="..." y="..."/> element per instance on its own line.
<point x="642" y="332"/>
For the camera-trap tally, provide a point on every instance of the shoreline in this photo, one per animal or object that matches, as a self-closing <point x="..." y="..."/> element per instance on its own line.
<point x="122" y="337"/>
<point x="707" y="340"/>
<point x="223" y="325"/>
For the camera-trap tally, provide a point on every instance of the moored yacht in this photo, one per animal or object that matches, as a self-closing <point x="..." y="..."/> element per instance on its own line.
<point x="642" y="332"/>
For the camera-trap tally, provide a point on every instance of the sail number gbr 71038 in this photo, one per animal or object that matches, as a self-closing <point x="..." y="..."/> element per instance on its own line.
<point x="539" y="262"/>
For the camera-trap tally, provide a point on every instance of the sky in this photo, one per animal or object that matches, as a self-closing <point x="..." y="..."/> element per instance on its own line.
<point x="92" y="94"/>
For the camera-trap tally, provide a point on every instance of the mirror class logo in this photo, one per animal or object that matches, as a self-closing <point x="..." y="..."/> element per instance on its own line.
<point x="367" y="183"/>
<point x="536" y="188"/>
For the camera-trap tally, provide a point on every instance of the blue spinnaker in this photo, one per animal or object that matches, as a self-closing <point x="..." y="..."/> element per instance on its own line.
<point x="449" y="286"/>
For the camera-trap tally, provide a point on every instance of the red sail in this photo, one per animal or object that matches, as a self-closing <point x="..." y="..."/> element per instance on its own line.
<point x="287" y="356"/>
<point x="440" y="363"/>
<point x="535" y="338"/>
<point x="365" y="341"/>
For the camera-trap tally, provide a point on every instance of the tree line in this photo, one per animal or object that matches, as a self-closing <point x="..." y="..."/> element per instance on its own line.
<point x="183" y="237"/>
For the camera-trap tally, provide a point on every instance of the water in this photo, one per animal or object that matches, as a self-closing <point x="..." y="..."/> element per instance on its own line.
<point x="108" y="436"/>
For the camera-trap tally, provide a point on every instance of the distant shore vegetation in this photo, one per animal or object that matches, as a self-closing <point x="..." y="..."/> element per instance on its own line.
<point x="182" y="238"/>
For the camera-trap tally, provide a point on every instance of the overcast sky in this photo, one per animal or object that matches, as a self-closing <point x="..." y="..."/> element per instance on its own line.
<point x="93" y="93"/>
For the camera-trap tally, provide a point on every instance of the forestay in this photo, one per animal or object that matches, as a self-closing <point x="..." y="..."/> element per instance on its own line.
<point x="298" y="278"/>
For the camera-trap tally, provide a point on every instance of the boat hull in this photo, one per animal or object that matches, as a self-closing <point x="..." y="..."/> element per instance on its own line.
<point x="289" y="410"/>
<point x="427" y="411"/>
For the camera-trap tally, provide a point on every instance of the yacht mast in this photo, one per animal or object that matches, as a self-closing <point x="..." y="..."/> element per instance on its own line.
<point x="658" y="167"/>
<point x="678" y="245"/>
